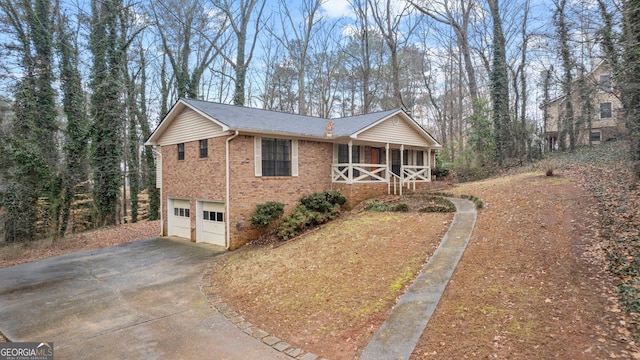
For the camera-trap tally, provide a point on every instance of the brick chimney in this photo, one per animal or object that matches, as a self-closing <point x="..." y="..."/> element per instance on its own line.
<point x="328" y="129"/>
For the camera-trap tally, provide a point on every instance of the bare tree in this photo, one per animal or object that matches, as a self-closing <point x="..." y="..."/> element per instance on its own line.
<point x="188" y="41"/>
<point x="238" y="14"/>
<point x="296" y="38"/>
<point x="456" y="14"/>
<point x="390" y="22"/>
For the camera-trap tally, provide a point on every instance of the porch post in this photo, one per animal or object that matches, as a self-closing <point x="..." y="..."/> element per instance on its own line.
<point x="402" y="164"/>
<point x="350" y="181"/>
<point x="387" y="175"/>
<point x="429" y="162"/>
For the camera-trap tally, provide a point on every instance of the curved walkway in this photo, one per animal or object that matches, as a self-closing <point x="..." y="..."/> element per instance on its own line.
<point x="400" y="333"/>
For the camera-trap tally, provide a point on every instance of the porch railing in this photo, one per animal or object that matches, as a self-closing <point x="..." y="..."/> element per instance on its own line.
<point x="375" y="173"/>
<point x="412" y="174"/>
<point x="362" y="173"/>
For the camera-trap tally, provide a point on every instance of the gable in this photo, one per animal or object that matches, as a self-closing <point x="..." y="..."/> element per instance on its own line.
<point x="187" y="126"/>
<point x="395" y="130"/>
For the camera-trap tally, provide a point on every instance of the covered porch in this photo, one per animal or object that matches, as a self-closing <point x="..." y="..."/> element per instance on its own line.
<point x="399" y="166"/>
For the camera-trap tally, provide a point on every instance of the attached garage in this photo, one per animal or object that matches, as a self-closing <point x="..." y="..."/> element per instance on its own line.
<point x="210" y="222"/>
<point x="179" y="218"/>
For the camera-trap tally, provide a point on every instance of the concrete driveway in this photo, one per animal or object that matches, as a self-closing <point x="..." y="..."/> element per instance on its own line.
<point x="138" y="300"/>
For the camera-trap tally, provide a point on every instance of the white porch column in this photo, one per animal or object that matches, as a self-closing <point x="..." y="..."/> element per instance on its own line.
<point x="429" y="162"/>
<point x="387" y="174"/>
<point x="350" y="181"/>
<point x="402" y="162"/>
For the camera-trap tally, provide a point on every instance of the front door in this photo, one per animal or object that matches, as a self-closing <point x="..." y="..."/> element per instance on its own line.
<point x="375" y="157"/>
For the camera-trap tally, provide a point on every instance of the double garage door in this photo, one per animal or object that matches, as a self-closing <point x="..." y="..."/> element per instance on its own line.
<point x="210" y="220"/>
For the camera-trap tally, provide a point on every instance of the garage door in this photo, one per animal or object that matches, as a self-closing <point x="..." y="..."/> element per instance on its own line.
<point x="211" y="223"/>
<point x="181" y="219"/>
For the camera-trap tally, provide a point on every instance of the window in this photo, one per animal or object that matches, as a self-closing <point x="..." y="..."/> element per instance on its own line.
<point x="420" y="158"/>
<point x="595" y="136"/>
<point x="276" y="157"/>
<point x="213" y="216"/>
<point x="605" y="110"/>
<point x="181" y="212"/>
<point x="204" y="148"/>
<point x="605" y="82"/>
<point x="343" y="156"/>
<point x="181" y="151"/>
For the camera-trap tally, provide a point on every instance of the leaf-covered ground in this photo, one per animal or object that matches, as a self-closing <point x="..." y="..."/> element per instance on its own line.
<point x="18" y="253"/>
<point x="533" y="283"/>
<point x="329" y="290"/>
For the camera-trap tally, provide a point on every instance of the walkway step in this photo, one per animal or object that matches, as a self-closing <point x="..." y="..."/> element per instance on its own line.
<point x="400" y="333"/>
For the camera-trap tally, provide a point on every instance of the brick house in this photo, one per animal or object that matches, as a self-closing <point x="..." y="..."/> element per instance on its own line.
<point x="606" y="122"/>
<point x="216" y="162"/>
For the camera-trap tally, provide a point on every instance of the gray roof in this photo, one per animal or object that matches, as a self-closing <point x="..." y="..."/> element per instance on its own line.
<point x="253" y="119"/>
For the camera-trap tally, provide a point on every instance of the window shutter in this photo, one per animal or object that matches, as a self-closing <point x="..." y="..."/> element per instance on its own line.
<point x="294" y="157"/>
<point x="257" y="154"/>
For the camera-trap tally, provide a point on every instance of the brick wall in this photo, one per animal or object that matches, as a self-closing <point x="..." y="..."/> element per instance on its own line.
<point x="194" y="177"/>
<point x="247" y="190"/>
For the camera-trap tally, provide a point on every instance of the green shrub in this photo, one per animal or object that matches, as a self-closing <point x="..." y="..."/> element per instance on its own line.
<point x="440" y="170"/>
<point x="335" y="197"/>
<point x="401" y="207"/>
<point x="314" y="209"/>
<point x="323" y="201"/>
<point x="377" y="205"/>
<point x="266" y="213"/>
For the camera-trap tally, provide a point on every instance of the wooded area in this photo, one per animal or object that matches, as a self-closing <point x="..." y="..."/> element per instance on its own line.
<point x="83" y="84"/>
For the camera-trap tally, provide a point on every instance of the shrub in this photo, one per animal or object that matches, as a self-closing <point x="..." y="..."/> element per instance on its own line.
<point x="323" y="201"/>
<point x="266" y="213"/>
<point x="377" y="205"/>
<point x="401" y="207"/>
<point x="314" y="209"/>
<point x="440" y="170"/>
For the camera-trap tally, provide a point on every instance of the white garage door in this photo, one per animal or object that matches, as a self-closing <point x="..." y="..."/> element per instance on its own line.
<point x="211" y="222"/>
<point x="181" y="219"/>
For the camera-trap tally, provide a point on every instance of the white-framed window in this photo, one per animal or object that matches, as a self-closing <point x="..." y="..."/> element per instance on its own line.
<point x="595" y="135"/>
<point x="605" y="110"/>
<point x="275" y="157"/>
<point x="605" y="82"/>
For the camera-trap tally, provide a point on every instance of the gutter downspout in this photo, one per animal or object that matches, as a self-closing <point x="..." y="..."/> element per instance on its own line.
<point x="158" y="153"/>
<point x="227" y="239"/>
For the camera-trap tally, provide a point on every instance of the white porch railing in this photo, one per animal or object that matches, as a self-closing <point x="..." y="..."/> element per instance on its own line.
<point x="377" y="173"/>
<point x="362" y="173"/>
<point x="412" y="174"/>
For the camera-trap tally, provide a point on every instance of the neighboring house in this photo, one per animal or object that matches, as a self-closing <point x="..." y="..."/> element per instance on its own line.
<point x="216" y="162"/>
<point x="607" y="121"/>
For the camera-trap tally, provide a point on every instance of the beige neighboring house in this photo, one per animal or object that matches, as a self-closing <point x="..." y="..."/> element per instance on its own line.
<point x="607" y="122"/>
<point x="216" y="162"/>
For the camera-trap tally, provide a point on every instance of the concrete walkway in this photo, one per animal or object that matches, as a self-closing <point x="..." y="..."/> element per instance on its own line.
<point x="400" y="333"/>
